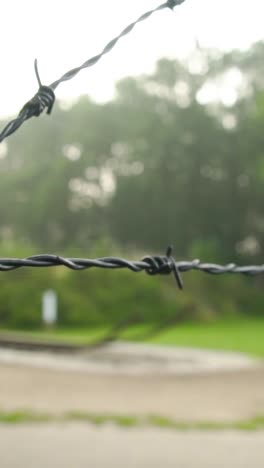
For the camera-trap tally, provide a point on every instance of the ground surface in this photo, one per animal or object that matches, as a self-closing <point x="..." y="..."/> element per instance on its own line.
<point x="215" y="395"/>
<point x="83" y="446"/>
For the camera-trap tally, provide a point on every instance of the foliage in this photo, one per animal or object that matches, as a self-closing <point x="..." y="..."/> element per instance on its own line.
<point x="160" y="163"/>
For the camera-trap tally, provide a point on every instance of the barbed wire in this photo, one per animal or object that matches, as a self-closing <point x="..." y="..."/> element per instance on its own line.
<point x="45" y="97"/>
<point x="152" y="265"/>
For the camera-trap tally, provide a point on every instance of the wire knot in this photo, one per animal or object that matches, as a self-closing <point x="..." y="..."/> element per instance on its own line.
<point x="164" y="265"/>
<point x="173" y="3"/>
<point x="45" y="97"/>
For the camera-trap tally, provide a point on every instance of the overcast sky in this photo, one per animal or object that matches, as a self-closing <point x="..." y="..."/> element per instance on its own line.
<point x="63" y="34"/>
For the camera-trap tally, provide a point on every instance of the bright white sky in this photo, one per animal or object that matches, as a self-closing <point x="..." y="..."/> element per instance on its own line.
<point x="63" y="34"/>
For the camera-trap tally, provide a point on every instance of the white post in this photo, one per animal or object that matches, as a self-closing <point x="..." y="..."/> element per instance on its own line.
<point x="49" y="308"/>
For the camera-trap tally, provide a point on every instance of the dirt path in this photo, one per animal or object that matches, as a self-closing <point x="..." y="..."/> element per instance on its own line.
<point x="221" y="396"/>
<point x="83" y="446"/>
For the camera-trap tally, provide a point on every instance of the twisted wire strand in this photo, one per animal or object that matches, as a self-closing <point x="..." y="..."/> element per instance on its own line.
<point x="93" y="60"/>
<point x="45" y="96"/>
<point x="152" y="265"/>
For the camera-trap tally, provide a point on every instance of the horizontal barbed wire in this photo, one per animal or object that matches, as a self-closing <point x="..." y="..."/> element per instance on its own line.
<point x="45" y="96"/>
<point x="152" y="265"/>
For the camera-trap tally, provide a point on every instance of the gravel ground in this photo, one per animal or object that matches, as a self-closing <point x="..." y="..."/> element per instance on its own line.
<point x="82" y="446"/>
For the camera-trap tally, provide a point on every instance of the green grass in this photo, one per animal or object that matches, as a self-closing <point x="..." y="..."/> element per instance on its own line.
<point x="242" y="335"/>
<point x="239" y="334"/>
<point x="72" y="336"/>
<point x="128" y="421"/>
<point x="23" y="416"/>
<point x="99" y="419"/>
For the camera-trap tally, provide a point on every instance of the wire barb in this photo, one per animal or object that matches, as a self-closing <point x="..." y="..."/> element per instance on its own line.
<point x="37" y="73"/>
<point x="45" y="96"/>
<point x="164" y="266"/>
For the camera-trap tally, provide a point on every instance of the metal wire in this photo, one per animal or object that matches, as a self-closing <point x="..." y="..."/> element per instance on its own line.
<point x="45" y="96"/>
<point x="152" y="265"/>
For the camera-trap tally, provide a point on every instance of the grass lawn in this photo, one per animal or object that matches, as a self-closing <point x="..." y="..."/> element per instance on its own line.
<point x="242" y="335"/>
<point x="238" y="335"/>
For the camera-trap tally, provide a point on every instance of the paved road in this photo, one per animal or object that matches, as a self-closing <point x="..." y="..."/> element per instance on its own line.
<point x="217" y="396"/>
<point x="221" y="396"/>
<point x="82" y="446"/>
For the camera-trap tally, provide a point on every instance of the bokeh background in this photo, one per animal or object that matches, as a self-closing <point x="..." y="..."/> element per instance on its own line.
<point x="160" y="143"/>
